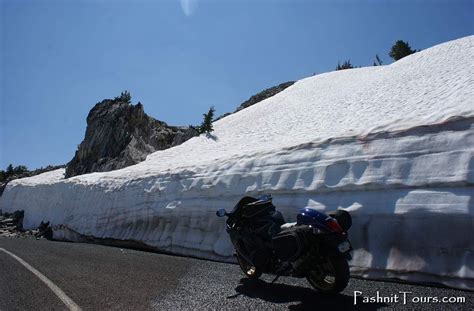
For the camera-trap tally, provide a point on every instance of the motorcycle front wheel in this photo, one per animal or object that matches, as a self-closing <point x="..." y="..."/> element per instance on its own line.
<point x="249" y="270"/>
<point x="331" y="275"/>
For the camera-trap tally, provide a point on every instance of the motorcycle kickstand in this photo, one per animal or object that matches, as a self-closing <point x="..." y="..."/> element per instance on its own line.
<point x="279" y="273"/>
<point x="276" y="278"/>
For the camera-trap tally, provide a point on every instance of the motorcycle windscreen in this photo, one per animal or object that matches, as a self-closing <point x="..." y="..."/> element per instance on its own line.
<point x="244" y="201"/>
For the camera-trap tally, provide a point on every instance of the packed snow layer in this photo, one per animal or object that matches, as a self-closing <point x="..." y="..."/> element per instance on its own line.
<point x="393" y="144"/>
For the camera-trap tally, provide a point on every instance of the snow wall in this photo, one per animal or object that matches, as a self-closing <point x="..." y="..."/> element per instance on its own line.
<point x="403" y="168"/>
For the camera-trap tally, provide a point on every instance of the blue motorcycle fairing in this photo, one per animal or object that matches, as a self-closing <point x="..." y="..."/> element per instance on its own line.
<point x="311" y="217"/>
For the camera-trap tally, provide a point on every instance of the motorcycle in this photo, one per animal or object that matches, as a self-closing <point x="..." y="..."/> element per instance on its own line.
<point x="316" y="246"/>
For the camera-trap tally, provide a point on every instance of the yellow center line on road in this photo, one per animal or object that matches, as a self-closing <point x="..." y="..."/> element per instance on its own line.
<point x="56" y="290"/>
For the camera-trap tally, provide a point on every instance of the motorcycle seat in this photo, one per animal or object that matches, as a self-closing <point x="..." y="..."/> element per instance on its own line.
<point x="287" y="225"/>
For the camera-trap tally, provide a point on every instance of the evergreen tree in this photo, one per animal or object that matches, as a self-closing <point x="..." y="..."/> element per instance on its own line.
<point x="346" y="65"/>
<point x="20" y="169"/>
<point x="206" y="125"/>
<point x="124" y="97"/>
<point x="400" y="49"/>
<point x="9" y="170"/>
<point x="377" y="61"/>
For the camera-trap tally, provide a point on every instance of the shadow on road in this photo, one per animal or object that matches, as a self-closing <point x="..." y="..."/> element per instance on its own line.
<point x="306" y="298"/>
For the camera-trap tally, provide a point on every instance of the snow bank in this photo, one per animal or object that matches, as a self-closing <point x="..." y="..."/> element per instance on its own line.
<point x="393" y="144"/>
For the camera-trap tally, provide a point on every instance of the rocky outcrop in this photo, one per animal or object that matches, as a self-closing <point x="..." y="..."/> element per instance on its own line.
<point x="120" y="134"/>
<point x="11" y="223"/>
<point x="264" y="95"/>
<point x="259" y="97"/>
<point x="11" y="226"/>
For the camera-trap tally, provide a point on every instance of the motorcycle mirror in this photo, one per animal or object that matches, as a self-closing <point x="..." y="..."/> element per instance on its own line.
<point x="221" y="213"/>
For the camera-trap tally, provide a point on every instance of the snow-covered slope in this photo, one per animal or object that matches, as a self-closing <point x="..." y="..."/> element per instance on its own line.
<point x="393" y="144"/>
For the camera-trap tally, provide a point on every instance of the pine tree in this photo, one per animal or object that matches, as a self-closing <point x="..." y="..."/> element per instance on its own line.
<point x="10" y="170"/>
<point x="377" y="61"/>
<point x="124" y="97"/>
<point x="400" y="49"/>
<point x="206" y="125"/>
<point x="346" y="65"/>
<point x="20" y="169"/>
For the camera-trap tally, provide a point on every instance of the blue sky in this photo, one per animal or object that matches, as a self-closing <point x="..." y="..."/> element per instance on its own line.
<point x="59" y="58"/>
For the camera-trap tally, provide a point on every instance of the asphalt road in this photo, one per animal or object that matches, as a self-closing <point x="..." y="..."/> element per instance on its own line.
<point x="98" y="277"/>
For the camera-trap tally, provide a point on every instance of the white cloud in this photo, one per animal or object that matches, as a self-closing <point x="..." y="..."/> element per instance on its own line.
<point x="188" y="6"/>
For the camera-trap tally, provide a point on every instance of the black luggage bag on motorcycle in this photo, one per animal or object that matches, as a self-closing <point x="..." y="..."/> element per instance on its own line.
<point x="291" y="243"/>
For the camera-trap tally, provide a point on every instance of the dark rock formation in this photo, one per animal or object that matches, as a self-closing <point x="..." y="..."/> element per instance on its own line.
<point x="44" y="230"/>
<point x="11" y="223"/>
<point x="259" y="97"/>
<point x="120" y="134"/>
<point x="264" y="95"/>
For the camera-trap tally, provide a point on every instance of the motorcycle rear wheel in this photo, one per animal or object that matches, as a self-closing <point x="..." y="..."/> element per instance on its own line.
<point x="248" y="269"/>
<point x="331" y="276"/>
